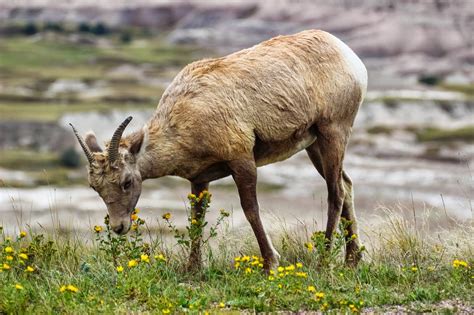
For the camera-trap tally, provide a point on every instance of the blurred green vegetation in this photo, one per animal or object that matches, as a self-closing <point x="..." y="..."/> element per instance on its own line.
<point x="51" y="112"/>
<point x="435" y="134"/>
<point x="41" y="168"/>
<point x="26" y="54"/>
<point x="34" y="63"/>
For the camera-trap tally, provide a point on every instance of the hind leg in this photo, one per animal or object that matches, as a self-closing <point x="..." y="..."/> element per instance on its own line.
<point x="353" y="254"/>
<point x="327" y="154"/>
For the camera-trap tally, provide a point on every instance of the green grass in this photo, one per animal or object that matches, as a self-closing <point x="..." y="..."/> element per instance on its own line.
<point x="445" y="135"/>
<point x="403" y="267"/>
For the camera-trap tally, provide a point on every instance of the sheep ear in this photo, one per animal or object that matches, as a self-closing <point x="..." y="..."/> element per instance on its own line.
<point x="137" y="142"/>
<point x="91" y="142"/>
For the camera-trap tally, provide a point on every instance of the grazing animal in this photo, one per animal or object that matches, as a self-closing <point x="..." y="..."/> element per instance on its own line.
<point x="229" y="115"/>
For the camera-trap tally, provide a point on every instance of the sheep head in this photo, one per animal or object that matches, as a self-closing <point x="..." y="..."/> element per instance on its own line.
<point x="114" y="174"/>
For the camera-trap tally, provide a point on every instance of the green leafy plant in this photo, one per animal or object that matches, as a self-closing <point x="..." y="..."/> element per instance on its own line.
<point x="195" y="229"/>
<point x="121" y="247"/>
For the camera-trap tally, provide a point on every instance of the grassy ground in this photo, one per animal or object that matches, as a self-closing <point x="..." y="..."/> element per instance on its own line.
<point x="403" y="267"/>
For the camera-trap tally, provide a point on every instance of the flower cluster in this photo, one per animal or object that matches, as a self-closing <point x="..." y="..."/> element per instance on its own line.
<point x="15" y="257"/>
<point x="248" y="264"/>
<point x="144" y="259"/>
<point x="457" y="263"/>
<point x="68" y="288"/>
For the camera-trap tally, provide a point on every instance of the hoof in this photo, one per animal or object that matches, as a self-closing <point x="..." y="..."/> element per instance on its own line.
<point x="271" y="263"/>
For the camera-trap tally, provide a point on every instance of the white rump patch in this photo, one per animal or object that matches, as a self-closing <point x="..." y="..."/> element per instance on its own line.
<point x="354" y="63"/>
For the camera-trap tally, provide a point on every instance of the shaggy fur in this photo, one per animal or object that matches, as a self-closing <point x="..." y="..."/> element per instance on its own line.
<point x="226" y="116"/>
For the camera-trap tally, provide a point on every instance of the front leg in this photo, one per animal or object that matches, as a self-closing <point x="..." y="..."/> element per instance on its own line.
<point x="244" y="173"/>
<point x="197" y="213"/>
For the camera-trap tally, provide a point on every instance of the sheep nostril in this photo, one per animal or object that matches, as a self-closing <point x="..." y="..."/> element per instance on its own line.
<point x="118" y="229"/>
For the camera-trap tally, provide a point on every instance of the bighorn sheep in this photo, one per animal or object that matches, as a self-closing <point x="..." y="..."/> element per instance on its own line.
<point x="229" y="115"/>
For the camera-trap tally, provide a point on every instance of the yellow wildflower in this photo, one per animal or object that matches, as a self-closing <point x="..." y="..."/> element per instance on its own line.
<point x="97" y="228"/>
<point x="271" y="278"/>
<point x="290" y="268"/>
<point x="309" y="246"/>
<point x="280" y="269"/>
<point x="414" y="269"/>
<point x="9" y="249"/>
<point x="160" y="257"/>
<point x="166" y="216"/>
<point x="18" y="286"/>
<point x="245" y="258"/>
<point x="255" y="257"/>
<point x="353" y="236"/>
<point x="166" y="311"/>
<point x="460" y="263"/>
<point x="134" y="217"/>
<point x="255" y="262"/>
<point x="29" y="269"/>
<point x="23" y="256"/>
<point x="22" y="234"/>
<point x="72" y="288"/>
<point x="194" y="222"/>
<point x="132" y="263"/>
<point x="119" y="268"/>
<point x="311" y="288"/>
<point x="191" y="196"/>
<point x="221" y="304"/>
<point x="237" y="258"/>
<point x="260" y="265"/>
<point x="299" y="265"/>
<point x="248" y="270"/>
<point x="302" y="274"/>
<point x="10" y="258"/>
<point x="319" y="295"/>
<point x="145" y="258"/>
<point x="6" y="266"/>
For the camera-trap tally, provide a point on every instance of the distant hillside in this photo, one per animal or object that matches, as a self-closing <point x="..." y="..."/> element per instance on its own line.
<point x="395" y="38"/>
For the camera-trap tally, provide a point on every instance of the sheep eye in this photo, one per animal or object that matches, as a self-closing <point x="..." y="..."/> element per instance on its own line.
<point x="127" y="184"/>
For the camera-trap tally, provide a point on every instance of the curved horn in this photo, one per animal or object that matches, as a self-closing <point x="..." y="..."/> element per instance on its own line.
<point x="88" y="153"/>
<point x="115" y="141"/>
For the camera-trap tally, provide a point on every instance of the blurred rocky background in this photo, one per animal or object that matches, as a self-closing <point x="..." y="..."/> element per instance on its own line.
<point x="95" y="62"/>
